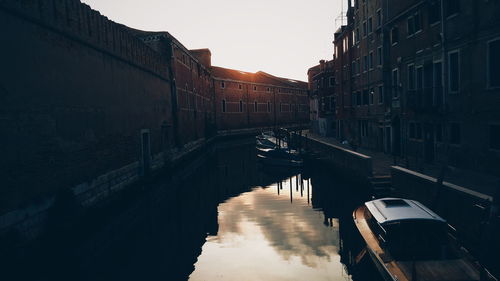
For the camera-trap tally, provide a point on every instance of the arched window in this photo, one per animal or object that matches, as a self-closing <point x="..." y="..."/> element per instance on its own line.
<point x="223" y="105"/>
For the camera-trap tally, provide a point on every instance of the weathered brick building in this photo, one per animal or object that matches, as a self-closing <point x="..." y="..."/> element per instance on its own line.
<point x="367" y="74"/>
<point x="322" y="92"/>
<point x="88" y="106"/>
<point x="192" y="86"/>
<point x="80" y="97"/>
<point x="251" y="100"/>
<point x="423" y="80"/>
<point x="441" y="59"/>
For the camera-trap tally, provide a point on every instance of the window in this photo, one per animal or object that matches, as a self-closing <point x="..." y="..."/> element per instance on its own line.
<point x="380" y="94"/>
<point x="452" y="7"/>
<point x="365" y="97"/>
<point x="394" y="35"/>
<point x="455" y="133"/>
<point x="372" y="96"/>
<point x="357" y="35"/>
<point x="495" y="136"/>
<point x="494" y="63"/>
<point x="364" y="29"/>
<point x="370" y="25"/>
<point x="353" y="68"/>
<point x="365" y="63"/>
<point x="358" y="99"/>
<point x="255" y="106"/>
<point x="222" y="85"/>
<point x="418" y="131"/>
<point x="223" y="106"/>
<point x="240" y="86"/>
<point x="412" y="133"/>
<point x="438" y="79"/>
<point x="414" y="24"/>
<point x="420" y="78"/>
<point x="434" y="12"/>
<point x="379" y="55"/>
<point x="255" y="88"/>
<point x="358" y="65"/>
<point x="279" y="90"/>
<point x="439" y="133"/>
<point x="379" y="18"/>
<point x="281" y="107"/>
<point x="410" y="24"/>
<point x="363" y="127"/>
<point x="418" y="22"/>
<point x="454" y="71"/>
<point x="332" y="81"/>
<point x="268" y="89"/>
<point x="395" y="83"/>
<point x="370" y="60"/>
<point x="411" y="77"/>
<point x="241" y="106"/>
<point x="268" y="106"/>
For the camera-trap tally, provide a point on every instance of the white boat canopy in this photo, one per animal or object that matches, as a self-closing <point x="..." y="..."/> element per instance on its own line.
<point x="390" y="210"/>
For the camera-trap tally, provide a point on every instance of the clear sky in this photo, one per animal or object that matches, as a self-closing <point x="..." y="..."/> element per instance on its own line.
<point x="281" y="37"/>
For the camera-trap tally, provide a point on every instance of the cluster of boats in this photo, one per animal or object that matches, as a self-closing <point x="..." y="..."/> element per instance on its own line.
<point x="273" y="150"/>
<point x="407" y="242"/>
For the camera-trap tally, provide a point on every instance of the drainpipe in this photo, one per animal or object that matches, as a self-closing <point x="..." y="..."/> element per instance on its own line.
<point x="173" y="93"/>
<point x="443" y="50"/>
<point x="248" y="108"/>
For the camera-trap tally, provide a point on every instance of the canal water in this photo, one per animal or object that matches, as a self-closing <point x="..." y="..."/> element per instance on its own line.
<point x="222" y="217"/>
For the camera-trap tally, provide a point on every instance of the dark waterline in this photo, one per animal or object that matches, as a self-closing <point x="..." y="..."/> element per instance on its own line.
<point x="223" y="217"/>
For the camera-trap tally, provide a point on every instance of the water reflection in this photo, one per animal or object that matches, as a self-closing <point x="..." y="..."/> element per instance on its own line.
<point x="221" y="218"/>
<point x="264" y="235"/>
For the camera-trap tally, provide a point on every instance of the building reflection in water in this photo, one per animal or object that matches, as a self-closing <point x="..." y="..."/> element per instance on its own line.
<point x="221" y="218"/>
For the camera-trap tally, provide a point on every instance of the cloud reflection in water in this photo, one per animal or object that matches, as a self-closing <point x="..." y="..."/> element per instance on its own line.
<point x="264" y="236"/>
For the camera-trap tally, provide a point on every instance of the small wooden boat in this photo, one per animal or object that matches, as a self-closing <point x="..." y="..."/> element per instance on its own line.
<point x="409" y="242"/>
<point x="265" y="143"/>
<point x="280" y="157"/>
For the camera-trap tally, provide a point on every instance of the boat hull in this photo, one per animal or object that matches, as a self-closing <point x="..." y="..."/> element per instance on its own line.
<point x="280" y="161"/>
<point x="460" y="266"/>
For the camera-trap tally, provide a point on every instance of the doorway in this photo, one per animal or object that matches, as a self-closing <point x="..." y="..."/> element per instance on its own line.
<point x="396" y="136"/>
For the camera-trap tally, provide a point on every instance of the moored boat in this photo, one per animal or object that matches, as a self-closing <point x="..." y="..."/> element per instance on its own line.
<point x="280" y="157"/>
<point x="407" y="241"/>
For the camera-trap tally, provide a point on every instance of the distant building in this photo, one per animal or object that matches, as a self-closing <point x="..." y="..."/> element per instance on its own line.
<point x="322" y="78"/>
<point x="252" y="100"/>
<point x="192" y="86"/>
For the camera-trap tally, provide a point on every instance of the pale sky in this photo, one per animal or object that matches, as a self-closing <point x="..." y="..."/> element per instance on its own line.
<point x="281" y="37"/>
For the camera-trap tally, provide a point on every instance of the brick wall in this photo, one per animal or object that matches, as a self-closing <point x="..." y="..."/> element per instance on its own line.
<point x="76" y="90"/>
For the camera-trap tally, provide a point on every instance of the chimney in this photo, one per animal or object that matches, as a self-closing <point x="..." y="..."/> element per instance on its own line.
<point x="322" y="65"/>
<point x="204" y="56"/>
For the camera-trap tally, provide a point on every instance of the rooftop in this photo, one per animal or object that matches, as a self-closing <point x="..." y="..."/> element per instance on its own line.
<point x="388" y="210"/>
<point x="259" y="77"/>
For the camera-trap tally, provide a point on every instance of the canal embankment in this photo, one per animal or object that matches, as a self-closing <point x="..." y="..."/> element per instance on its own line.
<point x="468" y="201"/>
<point x="30" y="220"/>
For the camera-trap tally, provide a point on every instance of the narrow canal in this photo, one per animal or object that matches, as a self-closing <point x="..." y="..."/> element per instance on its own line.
<point x="223" y="217"/>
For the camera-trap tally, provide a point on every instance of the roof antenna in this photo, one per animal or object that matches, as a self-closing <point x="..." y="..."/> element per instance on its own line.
<point x="341" y="18"/>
